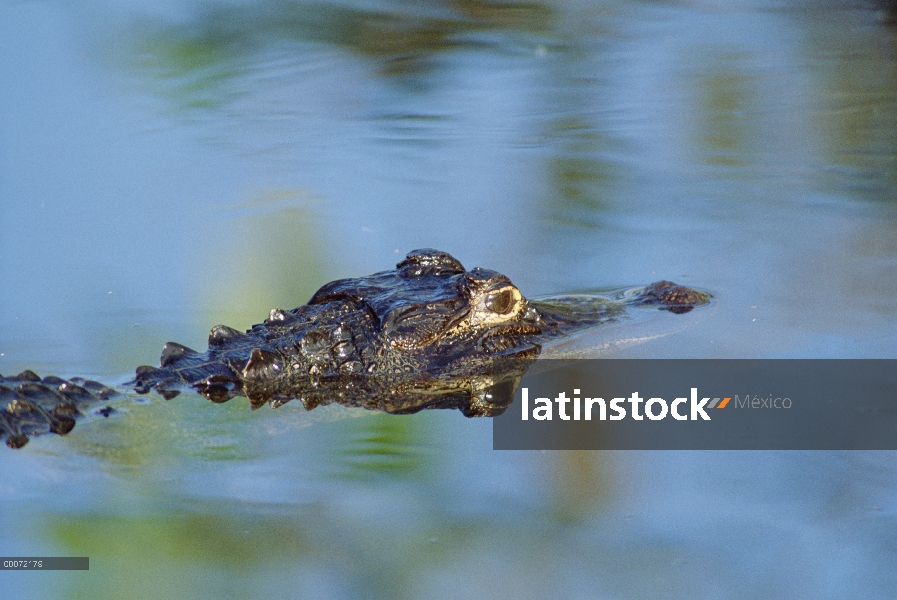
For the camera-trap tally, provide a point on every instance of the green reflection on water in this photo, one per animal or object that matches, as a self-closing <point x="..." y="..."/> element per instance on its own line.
<point x="582" y="179"/>
<point x="581" y="486"/>
<point x="726" y="128"/>
<point x="167" y="434"/>
<point x="228" y="541"/>
<point x="176" y="555"/>
<point x="217" y="44"/>
<point x="196" y="67"/>
<point x="856" y="105"/>
<point x="274" y="258"/>
<point x="381" y="445"/>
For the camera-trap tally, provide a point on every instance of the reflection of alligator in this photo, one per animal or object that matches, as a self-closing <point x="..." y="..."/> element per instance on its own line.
<point x="428" y="334"/>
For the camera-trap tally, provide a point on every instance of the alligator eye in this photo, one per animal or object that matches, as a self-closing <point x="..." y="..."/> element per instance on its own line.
<point x="501" y="302"/>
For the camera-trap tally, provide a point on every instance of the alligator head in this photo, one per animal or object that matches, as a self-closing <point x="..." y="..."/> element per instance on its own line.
<point x="430" y="311"/>
<point x="427" y="334"/>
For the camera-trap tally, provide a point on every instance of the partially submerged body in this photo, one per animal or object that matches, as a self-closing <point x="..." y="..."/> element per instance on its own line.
<point x="428" y="334"/>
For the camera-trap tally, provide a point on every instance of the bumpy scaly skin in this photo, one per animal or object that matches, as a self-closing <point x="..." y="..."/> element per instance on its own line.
<point x="398" y="341"/>
<point x="30" y="405"/>
<point x="428" y="334"/>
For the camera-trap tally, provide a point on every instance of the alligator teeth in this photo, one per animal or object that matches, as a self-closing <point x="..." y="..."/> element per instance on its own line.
<point x="173" y="351"/>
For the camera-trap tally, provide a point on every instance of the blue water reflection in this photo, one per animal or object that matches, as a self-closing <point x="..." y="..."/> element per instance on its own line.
<point x="165" y="168"/>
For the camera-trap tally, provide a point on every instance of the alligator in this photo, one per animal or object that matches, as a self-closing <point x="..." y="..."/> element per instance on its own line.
<point x="428" y="334"/>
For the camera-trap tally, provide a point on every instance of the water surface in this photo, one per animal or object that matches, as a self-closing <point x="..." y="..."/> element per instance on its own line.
<point x="168" y="167"/>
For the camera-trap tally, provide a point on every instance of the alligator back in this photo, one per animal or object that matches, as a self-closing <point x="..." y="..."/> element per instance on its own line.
<point x="30" y="405"/>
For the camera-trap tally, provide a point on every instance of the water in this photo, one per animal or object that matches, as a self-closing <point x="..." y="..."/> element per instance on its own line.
<point x="165" y="167"/>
